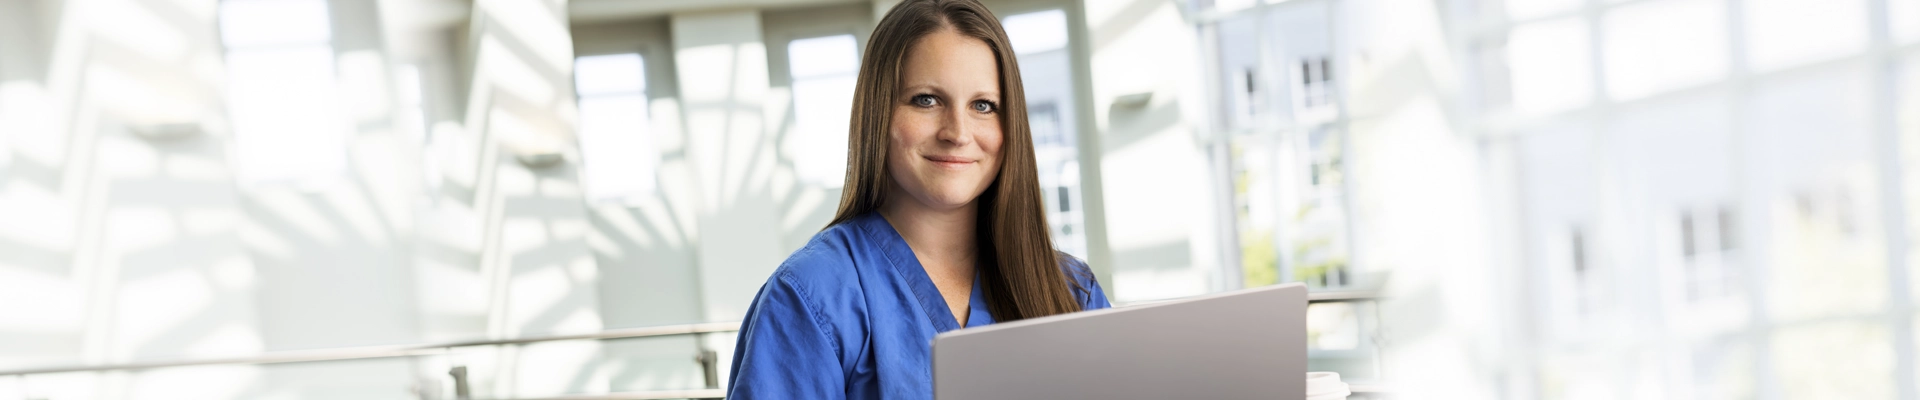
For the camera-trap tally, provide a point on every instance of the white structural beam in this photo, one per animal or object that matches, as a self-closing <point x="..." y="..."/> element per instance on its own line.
<point x="607" y="10"/>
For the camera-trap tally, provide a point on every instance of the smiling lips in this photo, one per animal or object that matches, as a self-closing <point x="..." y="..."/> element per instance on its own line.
<point x="950" y="161"/>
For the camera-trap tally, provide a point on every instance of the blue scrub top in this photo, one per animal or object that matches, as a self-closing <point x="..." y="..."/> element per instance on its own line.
<point x="852" y="315"/>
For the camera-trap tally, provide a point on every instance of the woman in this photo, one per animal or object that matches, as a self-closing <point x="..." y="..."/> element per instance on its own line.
<point x="941" y="225"/>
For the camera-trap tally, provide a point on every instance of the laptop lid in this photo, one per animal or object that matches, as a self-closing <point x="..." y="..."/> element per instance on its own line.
<point x="1247" y="344"/>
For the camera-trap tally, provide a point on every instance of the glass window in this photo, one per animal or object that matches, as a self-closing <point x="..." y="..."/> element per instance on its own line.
<point x="1687" y="238"/>
<point x="1316" y="243"/>
<point x="1559" y="190"/>
<point x="280" y="90"/>
<point x="1904" y="17"/>
<point x="1784" y="33"/>
<point x="1037" y="32"/>
<point x="615" y="142"/>
<point x="1297" y="40"/>
<point x="6" y="121"/>
<point x="823" y="71"/>
<point x="1907" y="112"/>
<point x="1256" y="207"/>
<point x="1722" y="368"/>
<point x="1044" y="120"/>
<point x="1706" y="250"/>
<point x="1240" y="85"/>
<point x="1040" y="41"/>
<point x="1654" y="47"/>
<point x="1728" y="236"/>
<point x="1584" y="300"/>
<point x="1316" y="82"/>
<point x="1552" y="66"/>
<point x="1223" y="6"/>
<point x="10" y="121"/>
<point x="1530" y="9"/>
<point x="1820" y="259"/>
<point x="1834" y="358"/>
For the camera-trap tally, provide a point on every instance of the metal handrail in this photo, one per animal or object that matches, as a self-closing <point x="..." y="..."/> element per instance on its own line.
<point x="372" y="352"/>
<point x="647" y="395"/>
<point x="1333" y="296"/>
<point x="375" y="352"/>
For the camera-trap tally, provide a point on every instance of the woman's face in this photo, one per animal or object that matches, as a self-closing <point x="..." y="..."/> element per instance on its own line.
<point x="946" y="123"/>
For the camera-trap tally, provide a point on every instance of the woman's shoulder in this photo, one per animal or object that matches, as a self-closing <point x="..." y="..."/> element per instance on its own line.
<point x="1074" y="267"/>
<point x="826" y="260"/>
<point x="1086" y="287"/>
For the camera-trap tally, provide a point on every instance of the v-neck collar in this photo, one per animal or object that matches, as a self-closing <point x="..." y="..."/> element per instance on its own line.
<point x="907" y="266"/>
<point x="977" y="314"/>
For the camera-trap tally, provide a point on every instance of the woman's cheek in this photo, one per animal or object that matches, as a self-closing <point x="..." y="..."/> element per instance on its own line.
<point x="990" y="144"/>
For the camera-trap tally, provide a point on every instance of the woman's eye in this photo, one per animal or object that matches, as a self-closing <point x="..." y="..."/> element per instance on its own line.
<point x="924" y="100"/>
<point x="982" y="106"/>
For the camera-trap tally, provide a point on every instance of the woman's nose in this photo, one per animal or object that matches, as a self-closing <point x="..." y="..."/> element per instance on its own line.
<point x="955" y="128"/>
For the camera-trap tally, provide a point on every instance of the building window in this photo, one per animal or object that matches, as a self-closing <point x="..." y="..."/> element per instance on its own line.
<point x="1043" y="120"/>
<point x="1246" y="97"/>
<point x="1707" y="253"/>
<point x="1843" y="214"/>
<point x="1316" y="82"/>
<point x="1579" y="253"/>
<point x="6" y="153"/>
<point x="1066" y="199"/>
<point x="823" y="71"/>
<point x="1586" y="284"/>
<point x="1687" y="242"/>
<point x="1726" y="226"/>
<point x="280" y="91"/>
<point x="1238" y="59"/>
<point x="1550" y="66"/>
<point x="615" y="142"/>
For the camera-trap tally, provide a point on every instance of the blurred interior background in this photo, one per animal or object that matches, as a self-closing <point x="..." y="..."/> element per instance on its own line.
<point x="452" y="199"/>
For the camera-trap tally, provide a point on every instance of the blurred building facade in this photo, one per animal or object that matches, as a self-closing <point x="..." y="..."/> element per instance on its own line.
<point x="1565" y="199"/>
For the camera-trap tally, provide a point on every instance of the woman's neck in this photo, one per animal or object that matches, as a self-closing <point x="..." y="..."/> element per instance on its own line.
<point x="943" y="239"/>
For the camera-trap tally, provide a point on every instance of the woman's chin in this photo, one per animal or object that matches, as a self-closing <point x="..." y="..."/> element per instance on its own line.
<point x="948" y="199"/>
<point x="948" y="203"/>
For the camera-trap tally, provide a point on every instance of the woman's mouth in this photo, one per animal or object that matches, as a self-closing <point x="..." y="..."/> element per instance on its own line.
<point x="950" y="161"/>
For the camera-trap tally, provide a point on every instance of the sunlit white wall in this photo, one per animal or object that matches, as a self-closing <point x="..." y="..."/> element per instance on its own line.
<point x="1419" y="207"/>
<point x="189" y="196"/>
<point x="813" y="55"/>
<point x="1161" y="229"/>
<point x="645" y="244"/>
<point x="123" y="237"/>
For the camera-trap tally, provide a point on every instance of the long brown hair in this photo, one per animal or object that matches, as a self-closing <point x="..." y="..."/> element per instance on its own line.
<point x="1020" y="272"/>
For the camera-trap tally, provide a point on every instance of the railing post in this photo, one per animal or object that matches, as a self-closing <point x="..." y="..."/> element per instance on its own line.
<point x="460" y="391"/>
<point x="709" y="364"/>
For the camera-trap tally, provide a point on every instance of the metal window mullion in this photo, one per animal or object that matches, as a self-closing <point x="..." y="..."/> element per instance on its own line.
<point x="1751" y="204"/>
<point x="1885" y="66"/>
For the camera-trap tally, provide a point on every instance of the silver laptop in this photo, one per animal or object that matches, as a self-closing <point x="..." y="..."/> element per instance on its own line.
<point x="1248" y="344"/>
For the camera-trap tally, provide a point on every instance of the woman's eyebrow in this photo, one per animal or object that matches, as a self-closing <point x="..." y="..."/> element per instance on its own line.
<point x="922" y="86"/>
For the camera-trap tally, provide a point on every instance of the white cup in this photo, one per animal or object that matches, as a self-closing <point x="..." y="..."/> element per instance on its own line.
<point x="1326" y="386"/>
